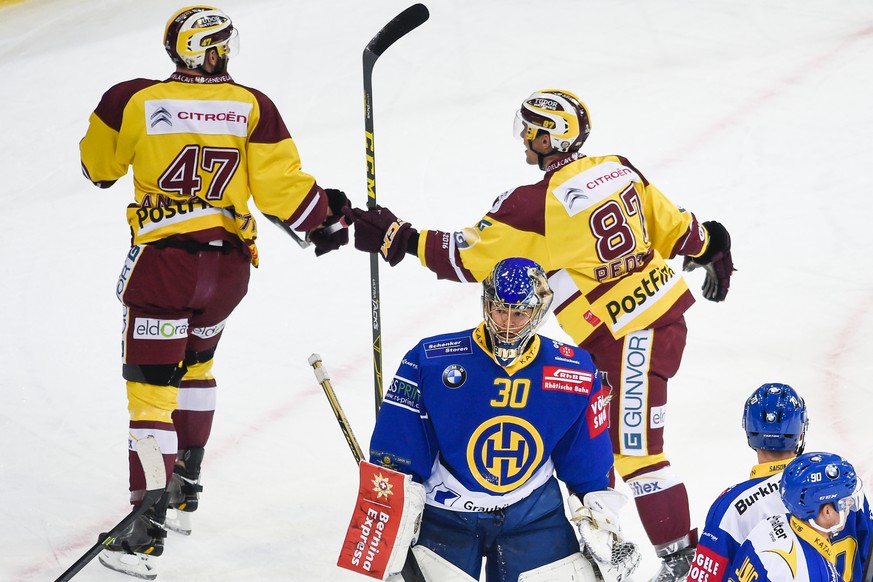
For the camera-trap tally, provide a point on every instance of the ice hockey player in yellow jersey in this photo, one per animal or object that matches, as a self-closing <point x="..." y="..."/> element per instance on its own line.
<point x="200" y="146"/>
<point x="603" y="234"/>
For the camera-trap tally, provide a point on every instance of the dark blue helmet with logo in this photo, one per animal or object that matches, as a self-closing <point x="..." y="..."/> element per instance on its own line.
<point x="775" y="419"/>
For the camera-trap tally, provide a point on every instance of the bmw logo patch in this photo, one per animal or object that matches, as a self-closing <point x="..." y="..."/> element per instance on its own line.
<point x="454" y="376"/>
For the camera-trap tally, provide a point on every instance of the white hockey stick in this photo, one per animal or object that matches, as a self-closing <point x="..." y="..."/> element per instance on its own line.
<point x="152" y="461"/>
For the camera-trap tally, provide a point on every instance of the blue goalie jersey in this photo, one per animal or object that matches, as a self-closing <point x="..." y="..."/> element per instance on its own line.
<point x="481" y="437"/>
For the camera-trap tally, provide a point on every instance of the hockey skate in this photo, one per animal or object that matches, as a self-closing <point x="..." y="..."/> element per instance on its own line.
<point x="184" y="491"/>
<point x="134" y="550"/>
<point x="675" y="566"/>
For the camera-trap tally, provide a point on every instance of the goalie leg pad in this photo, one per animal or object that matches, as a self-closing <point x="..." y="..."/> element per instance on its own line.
<point x="435" y="567"/>
<point x="573" y="568"/>
<point x="385" y="522"/>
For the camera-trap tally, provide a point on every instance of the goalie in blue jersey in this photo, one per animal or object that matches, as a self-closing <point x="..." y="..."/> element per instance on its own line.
<point x="484" y="420"/>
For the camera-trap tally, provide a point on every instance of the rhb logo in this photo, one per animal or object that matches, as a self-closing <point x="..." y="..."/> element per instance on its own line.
<point x="567" y="380"/>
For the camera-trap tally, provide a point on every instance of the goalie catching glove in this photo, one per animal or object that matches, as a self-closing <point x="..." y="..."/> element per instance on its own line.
<point x="716" y="261"/>
<point x="596" y="518"/>
<point x="385" y="523"/>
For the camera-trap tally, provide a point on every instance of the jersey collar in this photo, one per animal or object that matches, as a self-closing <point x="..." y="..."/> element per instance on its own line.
<point x="767" y="469"/>
<point x="805" y="532"/>
<point x="560" y="163"/>
<point x="529" y="355"/>
<point x="200" y="79"/>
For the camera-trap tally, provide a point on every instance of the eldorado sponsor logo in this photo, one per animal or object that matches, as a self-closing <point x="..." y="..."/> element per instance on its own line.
<point x="160" y="329"/>
<point x="208" y="332"/>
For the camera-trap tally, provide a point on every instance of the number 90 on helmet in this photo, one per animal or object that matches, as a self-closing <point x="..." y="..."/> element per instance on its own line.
<point x="515" y="301"/>
<point x="559" y="113"/>
<point x="775" y="419"/>
<point x="815" y="479"/>
<point x="192" y="31"/>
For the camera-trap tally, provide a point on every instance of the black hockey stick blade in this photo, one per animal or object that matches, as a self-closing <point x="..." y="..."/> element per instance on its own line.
<point x="152" y="460"/>
<point x="400" y="25"/>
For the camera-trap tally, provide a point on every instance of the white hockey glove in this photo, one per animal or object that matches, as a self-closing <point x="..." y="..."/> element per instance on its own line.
<point x="596" y="517"/>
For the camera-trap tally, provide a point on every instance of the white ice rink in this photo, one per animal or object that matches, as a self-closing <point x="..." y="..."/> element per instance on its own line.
<point x="756" y="113"/>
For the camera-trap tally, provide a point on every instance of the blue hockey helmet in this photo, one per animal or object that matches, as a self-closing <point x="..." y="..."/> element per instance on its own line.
<point x="815" y="479"/>
<point x="775" y="419"/>
<point x="515" y="301"/>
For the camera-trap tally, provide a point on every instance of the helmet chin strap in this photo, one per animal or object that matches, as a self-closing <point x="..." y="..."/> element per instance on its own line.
<point x="541" y="158"/>
<point x="220" y="68"/>
<point x="829" y="531"/>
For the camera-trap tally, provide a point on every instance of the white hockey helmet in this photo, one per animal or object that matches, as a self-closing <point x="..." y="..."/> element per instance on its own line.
<point x="192" y="31"/>
<point x="559" y="113"/>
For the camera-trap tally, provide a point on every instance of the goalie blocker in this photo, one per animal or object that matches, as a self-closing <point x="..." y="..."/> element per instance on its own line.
<point x="385" y="522"/>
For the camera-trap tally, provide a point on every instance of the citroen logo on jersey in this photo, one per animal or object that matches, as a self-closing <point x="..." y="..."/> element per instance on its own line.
<point x="572" y="195"/>
<point x="454" y="376"/>
<point x="503" y="452"/>
<point x="161" y="115"/>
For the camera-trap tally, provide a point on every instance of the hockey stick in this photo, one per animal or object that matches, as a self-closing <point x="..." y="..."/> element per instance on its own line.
<point x="411" y="571"/>
<point x="324" y="379"/>
<point x="403" y="23"/>
<point x="281" y="224"/>
<point x="152" y="461"/>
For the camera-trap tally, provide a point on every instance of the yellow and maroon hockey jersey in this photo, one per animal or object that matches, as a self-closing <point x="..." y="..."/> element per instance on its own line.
<point x="600" y="230"/>
<point x="199" y="148"/>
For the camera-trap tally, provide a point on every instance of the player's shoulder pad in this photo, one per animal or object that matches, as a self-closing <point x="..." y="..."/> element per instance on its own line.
<point x="115" y="99"/>
<point x="566" y="353"/>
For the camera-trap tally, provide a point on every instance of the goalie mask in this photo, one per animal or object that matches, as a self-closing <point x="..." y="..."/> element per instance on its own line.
<point x="774" y="419"/>
<point x="515" y="300"/>
<point x="192" y="31"/>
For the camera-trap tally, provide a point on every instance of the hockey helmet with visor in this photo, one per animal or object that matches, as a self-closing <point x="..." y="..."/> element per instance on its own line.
<point x="559" y="113"/>
<point x="192" y="31"/>
<point x="816" y="479"/>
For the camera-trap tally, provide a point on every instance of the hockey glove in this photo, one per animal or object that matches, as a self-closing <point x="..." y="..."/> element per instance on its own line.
<point x="715" y="260"/>
<point x="597" y="520"/>
<point x="377" y="230"/>
<point x="334" y="231"/>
